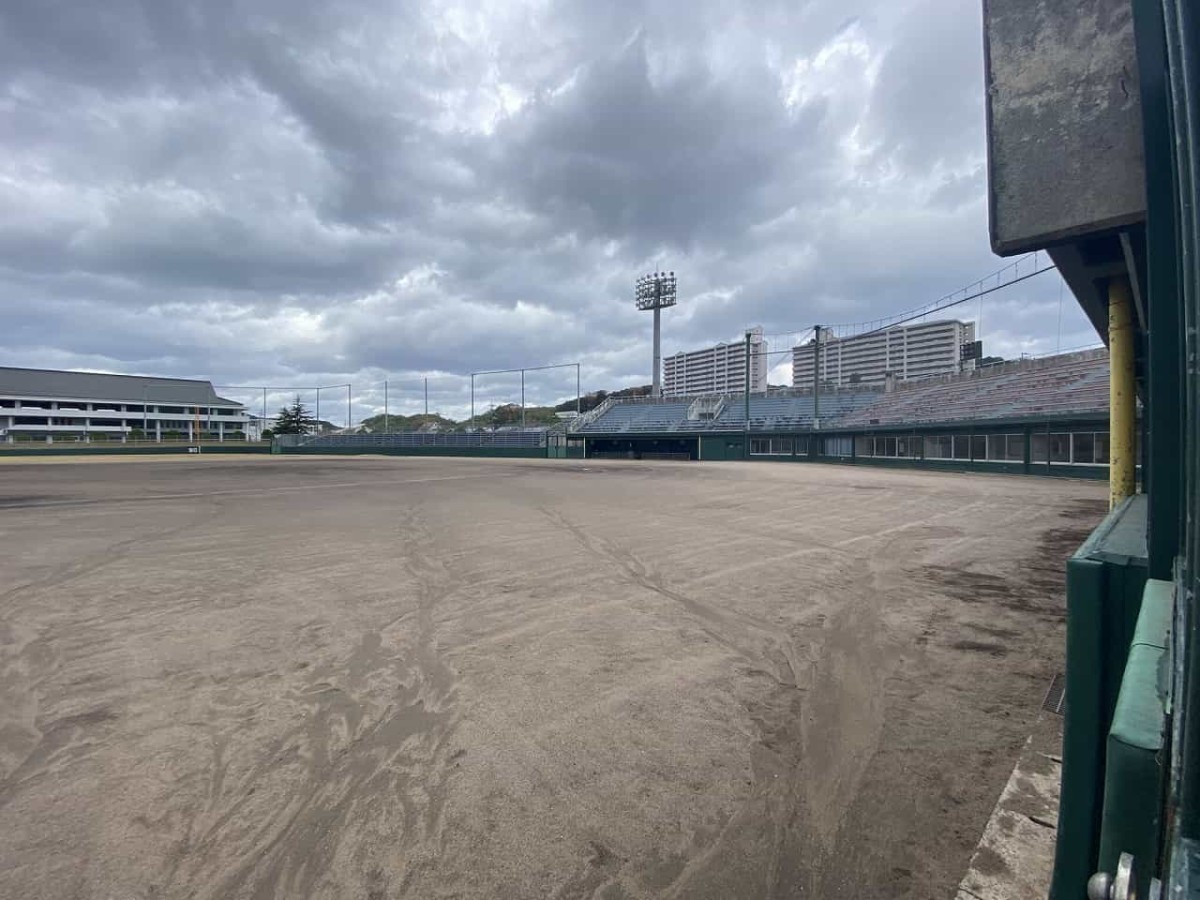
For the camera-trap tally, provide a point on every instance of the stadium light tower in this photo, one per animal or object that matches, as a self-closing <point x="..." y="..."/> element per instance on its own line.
<point x="656" y="292"/>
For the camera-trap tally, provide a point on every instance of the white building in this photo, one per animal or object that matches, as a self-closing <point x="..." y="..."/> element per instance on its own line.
<point x="906" y="351"/>
<point x="50" y="405"/>
<point x="717" y="370"/>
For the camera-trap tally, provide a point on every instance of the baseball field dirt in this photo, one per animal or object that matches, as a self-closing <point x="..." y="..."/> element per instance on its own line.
<point x="360" y="677"/>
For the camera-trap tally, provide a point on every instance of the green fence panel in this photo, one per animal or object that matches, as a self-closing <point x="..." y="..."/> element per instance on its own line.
<point x="1105" y="581"/>
<point x="1134" y="776"/>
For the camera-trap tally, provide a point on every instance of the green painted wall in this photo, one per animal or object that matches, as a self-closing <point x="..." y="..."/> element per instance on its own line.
<point x="731" y="445"/>
<point x="502" y="452"/>
<point x="958" y="465"/>
<point x="1105" y="581"/>
<point x="722" y="446"/>
<point x="1135" y="766"/>
<point x="117" y="449"/>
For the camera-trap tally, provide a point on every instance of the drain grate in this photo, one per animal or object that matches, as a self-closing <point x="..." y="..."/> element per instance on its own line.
<point x="1056" y="696"/>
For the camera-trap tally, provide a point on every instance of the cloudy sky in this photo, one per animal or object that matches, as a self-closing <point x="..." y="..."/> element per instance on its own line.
<point x="305" y="192"/>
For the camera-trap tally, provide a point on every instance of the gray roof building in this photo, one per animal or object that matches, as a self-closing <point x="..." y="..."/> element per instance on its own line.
<point x="49" y="405"/>
<point x="99" y="386"/>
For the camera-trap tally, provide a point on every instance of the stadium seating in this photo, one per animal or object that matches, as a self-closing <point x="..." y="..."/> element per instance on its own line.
<point x="772" y="412"/>
<point x="1068" y="384"/>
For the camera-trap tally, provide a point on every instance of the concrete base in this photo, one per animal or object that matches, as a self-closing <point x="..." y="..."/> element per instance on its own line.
<point x="1015" y="856"/>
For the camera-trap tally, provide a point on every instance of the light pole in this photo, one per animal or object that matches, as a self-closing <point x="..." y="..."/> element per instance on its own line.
<point x="656" y="292"/>
<point x="816" y="376"/>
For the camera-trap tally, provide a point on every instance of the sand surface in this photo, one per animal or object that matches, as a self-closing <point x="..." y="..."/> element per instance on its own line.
<point x="356" y="677"/>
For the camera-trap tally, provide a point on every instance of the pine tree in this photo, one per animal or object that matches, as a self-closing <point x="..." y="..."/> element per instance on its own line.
<point x="294" y="419"/>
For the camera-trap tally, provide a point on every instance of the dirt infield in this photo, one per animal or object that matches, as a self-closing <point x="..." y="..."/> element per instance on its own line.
<point x="373" y="678"/>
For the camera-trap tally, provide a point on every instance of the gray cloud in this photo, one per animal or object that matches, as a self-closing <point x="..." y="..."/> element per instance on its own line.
<point x="302" y="193"/>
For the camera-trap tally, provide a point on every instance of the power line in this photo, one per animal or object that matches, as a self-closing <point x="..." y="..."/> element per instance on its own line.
<point x="983" y="293"/>
<point x="968" y="292"/>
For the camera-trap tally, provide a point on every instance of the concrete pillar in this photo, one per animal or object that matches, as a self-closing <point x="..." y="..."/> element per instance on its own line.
<point x="220" y="432"/>
<point x="158" y="430"/>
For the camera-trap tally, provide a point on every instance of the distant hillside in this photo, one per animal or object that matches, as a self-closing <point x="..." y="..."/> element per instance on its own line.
<point x="510" y="414"/>
<point x="591" y="401"/>
<point x="418" y="422"/>
<point x="507" y="415"/>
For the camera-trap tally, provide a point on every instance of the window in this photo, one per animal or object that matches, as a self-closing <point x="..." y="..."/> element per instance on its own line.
<point x="978" y="446"/>
<point x="962" y="446"/>
<point x="770" y="446"/>
<point x="837" y="446"/>
<point x="1083" y="447"/>
<point x="1037" y="448"/>
<point x="1005" y="448"/>
<point x="939" y="446"/>
<point x="1014" y="447"/>
<point x="903" y="447"/>
<point x="1060" y="448"/>
<point x="1102" y="447"/>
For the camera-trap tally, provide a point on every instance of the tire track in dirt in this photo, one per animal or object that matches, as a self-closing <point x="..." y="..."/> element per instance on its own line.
<point x="758" y="642"/>
<point x="339" y="771"/>
<point x="774" y="811"/>
<point x="27" y="659"/>
<point x="813" y="747"/>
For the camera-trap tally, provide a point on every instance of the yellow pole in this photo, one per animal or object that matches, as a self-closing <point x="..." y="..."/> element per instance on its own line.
<point x="1122" y="402"/>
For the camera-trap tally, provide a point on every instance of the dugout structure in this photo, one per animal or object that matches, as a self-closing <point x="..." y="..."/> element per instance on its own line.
<point x="1094" y="154"/>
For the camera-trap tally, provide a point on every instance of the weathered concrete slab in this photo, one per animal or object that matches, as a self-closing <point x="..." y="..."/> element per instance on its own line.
<point x="1015" y="857"/>
<point x="1064" y="120"/>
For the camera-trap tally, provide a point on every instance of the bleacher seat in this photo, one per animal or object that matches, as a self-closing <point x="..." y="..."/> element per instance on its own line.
<point x="1071" y="383"/>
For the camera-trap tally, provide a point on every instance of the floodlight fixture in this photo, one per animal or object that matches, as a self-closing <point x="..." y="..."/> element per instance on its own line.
<point x="656" y="291"/>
